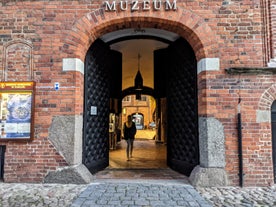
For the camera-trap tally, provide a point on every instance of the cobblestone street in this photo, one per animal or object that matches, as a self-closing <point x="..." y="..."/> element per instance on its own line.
<point x="235" y="196"/>
<point x="140" y="193"/>
<point x="30" y="195"/>
<point x="57" y="195"/>
<point x="134" y="184"/>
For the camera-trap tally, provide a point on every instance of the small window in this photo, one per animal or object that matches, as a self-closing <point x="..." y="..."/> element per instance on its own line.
<point x="144" y="98"/>
<point x="127" y="99"/>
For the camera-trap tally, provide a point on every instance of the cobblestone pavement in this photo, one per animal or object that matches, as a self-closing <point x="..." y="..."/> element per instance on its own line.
<point x="145" y="193"/>
<point x="69" y="195"/>
<point x="30" y="195"/>
<point x="237" y="197"/>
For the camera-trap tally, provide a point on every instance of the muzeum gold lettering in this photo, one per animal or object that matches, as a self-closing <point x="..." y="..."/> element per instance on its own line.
<point x="136" y="5"/>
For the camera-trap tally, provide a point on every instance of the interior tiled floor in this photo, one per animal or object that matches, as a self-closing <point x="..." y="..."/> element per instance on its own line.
<point x="146" y="154"/>
<point x="148" y="161"/>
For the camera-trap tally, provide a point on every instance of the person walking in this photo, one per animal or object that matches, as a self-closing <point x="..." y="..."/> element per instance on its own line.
<point x="129" y="131"/>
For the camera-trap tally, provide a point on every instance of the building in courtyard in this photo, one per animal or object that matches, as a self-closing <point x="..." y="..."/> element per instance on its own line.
<point x="209" y="65"/>
<point x="142" y="110"/>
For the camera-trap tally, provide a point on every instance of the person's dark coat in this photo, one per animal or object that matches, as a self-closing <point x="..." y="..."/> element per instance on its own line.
<point x="129" y="132"/>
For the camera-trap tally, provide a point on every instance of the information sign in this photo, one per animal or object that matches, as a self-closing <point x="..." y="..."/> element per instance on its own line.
<point x="16" y="110"/>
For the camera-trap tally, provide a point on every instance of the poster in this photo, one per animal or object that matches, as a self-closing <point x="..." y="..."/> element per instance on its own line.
<point x="16" y="110"/>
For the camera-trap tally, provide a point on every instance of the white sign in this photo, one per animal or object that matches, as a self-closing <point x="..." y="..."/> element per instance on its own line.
<point x="144" y="5"/>
<point x="93" y="110"/>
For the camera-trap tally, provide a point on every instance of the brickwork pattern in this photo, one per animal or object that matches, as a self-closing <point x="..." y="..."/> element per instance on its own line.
<point x="230" y="30"/>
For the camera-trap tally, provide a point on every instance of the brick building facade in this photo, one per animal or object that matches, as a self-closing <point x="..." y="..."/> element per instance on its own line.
<point x="233" y="43"/>
<point x="145" y="107"/>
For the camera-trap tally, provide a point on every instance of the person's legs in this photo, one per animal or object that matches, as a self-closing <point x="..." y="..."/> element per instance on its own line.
<point x="128" y="148"/>
<point x="131" y="146"/>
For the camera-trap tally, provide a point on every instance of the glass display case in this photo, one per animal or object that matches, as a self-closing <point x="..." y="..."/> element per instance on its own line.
<point x="16" y="110"/>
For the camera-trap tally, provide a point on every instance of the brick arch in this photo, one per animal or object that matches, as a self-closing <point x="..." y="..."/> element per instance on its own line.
<point x="183" y="22"/>
<point x="267" y="98"/>
<point x="22" y="56"/>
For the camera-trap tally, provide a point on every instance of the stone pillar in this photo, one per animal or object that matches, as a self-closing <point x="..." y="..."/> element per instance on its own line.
<point x="65" y="134"/>
<point x="211" y="171"/>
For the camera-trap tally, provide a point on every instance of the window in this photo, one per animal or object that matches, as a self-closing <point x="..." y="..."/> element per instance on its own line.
<point x="144" y="98"/>
<point x="127" y="99"/>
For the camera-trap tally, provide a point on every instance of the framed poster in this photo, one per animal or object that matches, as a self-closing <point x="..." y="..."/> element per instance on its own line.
<point x="16" y="110"/>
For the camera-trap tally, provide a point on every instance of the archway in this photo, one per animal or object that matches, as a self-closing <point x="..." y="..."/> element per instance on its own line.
<point x="175" y="79"/>
<point x="191" y="28"/>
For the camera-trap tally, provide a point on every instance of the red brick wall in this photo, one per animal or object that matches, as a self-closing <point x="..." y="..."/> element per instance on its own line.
<point x="56" y="30"/>
<point x="222" y="97"/>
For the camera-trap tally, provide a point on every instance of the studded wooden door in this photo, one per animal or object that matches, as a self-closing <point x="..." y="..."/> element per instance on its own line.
<point x="183" y="148"/>
<point x="96" y="97"/>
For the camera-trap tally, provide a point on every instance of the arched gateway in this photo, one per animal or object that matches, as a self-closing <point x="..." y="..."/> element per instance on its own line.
<point x="197" y="138"/>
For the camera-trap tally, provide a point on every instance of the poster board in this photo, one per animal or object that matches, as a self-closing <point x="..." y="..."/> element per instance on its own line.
<point x="16" y="110"/>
